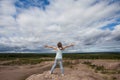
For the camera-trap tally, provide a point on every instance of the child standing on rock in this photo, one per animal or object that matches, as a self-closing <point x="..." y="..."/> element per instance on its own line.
<point x="58" y="57"/>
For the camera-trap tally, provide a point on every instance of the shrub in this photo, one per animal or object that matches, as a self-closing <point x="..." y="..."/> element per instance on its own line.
<point x="87" y="63"/>
<point x="99" y="68"/>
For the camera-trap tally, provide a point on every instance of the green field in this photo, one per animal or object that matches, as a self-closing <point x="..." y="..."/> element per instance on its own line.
<point x="7" y="56"/>
<point x="34" y="58"/>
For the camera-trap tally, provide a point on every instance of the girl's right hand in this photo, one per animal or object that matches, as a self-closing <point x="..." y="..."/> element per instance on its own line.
<point x="72" y="44"/>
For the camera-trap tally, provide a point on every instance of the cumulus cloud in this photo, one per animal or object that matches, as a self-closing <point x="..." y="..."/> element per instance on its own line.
<point x="78" y="21"/>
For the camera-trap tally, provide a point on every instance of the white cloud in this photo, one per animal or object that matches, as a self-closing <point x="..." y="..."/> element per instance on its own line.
<point x="54" y="28"/>
<point x="7" y="7"/>
<point x="67" y="21"/>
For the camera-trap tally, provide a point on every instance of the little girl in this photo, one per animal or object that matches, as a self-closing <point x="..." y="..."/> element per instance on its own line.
<point x="58" y="57"/>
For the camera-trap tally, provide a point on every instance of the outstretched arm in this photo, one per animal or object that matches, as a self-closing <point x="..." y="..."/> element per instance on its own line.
<point x="46" y="46"/>
<point x="68" y="46"/>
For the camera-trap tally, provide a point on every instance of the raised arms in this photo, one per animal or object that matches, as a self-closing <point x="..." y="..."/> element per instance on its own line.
<point x="46" y="46"/>
<point x="70" y="45"/>
<point x="55" y="48"/>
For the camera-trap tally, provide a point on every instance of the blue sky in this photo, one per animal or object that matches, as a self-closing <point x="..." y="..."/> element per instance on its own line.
<point x="28" y="25"/>
<point x="32" y="3"/>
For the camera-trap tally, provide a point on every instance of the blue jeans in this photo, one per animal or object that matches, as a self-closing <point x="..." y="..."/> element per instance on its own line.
<point x="60" y="63"/>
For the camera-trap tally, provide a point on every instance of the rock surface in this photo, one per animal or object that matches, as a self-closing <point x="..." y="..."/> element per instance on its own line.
<point x="80" y="72"/>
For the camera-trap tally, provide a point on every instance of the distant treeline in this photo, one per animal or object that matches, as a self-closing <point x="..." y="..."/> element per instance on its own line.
<point x="7" y="56"/>
<point x="93" y="56"/>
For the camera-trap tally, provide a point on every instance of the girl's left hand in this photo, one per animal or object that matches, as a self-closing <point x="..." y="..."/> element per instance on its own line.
<point x="46" y="46"/>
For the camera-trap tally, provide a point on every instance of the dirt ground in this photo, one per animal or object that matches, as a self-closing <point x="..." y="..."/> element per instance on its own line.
<point x="21" y="72"/>
<point x="75" y="71"/>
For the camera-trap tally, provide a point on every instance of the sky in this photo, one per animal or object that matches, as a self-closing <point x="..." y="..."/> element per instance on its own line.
<point x="28" y="25"/>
